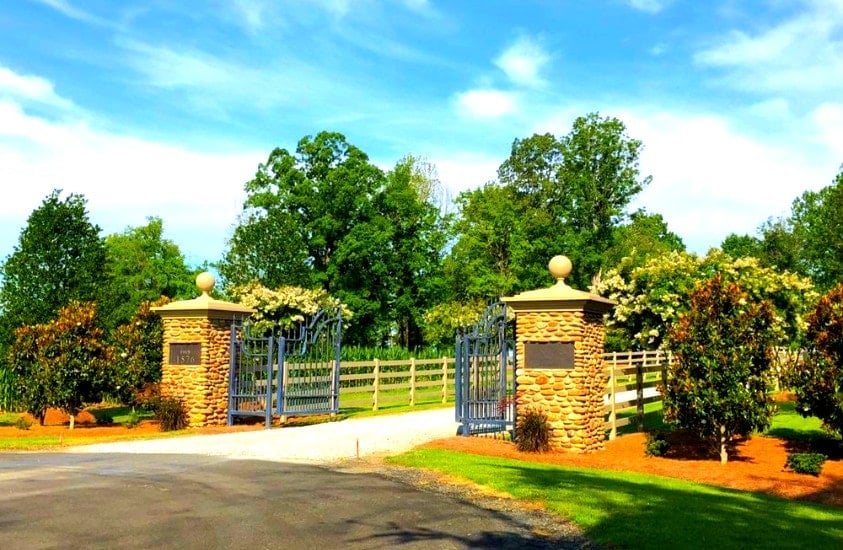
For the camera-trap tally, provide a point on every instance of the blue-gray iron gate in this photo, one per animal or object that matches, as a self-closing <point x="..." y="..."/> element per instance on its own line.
<point x="286" y="373"/>
<point x="484" y="364"/>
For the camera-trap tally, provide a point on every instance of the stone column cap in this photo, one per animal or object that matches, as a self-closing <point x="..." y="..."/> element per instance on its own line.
<point x="559" y="297"/>
<point x="204" y="305"/>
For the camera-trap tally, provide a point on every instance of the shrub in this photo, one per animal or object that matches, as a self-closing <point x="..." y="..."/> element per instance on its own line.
<point x="533" y="434"/>
<point x="656" y="444"/>
<point x="170" y="413"/>
<point x="818" y="379"/>
<point x="23" y="423"/>
<point x="132" y="420"/>
<point x="104" y="419"/>
<point x="806" y="463"/>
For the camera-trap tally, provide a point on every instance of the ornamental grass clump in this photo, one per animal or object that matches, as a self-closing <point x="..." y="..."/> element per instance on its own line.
<point x="533" y="434"/>
<point x="170" y="413"/>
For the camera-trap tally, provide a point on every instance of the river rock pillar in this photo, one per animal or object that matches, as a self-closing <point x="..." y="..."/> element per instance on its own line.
<point x="197" y="353"/>
<point x="559" y="339"/>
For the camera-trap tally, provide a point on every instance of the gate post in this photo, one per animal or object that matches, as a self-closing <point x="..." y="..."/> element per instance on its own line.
<point x="197" y="353"/>
<point x="559" y="337"/>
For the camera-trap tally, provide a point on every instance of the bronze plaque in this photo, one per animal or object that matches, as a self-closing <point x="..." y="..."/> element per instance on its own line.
<point x="549" y="355"/>
<point x="185" y="354"/>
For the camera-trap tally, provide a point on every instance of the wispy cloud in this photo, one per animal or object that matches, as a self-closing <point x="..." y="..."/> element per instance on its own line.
<point x="486" y="103"/>
<point x="68" y="10"/>
<point x="799" y="55"/>
<point x="30" y="89"/>
<point x="649" y="6"/>
<point x="523" y="61"/>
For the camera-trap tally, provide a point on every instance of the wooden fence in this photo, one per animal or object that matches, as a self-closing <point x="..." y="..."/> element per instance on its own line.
<point x="633" y="377"/>
<point x="631" y="374"/>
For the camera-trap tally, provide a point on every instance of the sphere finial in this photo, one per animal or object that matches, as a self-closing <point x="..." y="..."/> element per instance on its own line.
<point x="560" y="267"/>
<point x="205" y="281"/>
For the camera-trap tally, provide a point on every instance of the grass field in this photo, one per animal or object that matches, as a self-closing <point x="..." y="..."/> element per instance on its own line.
<point x="624" y="510"/>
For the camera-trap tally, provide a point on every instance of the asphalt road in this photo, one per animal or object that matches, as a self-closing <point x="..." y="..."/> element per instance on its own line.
<point x="64" y="500"/>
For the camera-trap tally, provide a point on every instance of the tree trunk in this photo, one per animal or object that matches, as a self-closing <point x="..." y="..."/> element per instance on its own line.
<point x="724" y="456"/>
<point x="72" y="420"/>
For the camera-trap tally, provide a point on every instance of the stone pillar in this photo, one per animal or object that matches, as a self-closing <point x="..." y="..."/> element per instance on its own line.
<point x="559" y="336"/>
<point x="197" y="353"/>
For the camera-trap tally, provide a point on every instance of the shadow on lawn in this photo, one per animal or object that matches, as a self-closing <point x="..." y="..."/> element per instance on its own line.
<point x="639" y="514"/>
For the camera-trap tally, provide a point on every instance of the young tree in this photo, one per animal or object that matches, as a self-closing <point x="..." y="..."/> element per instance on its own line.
<point x="59" y="258"/>
<point x="143" y="266"/>
<point x="645" y="236"/>
<point x="818" y="379"/>
<point x="723" y="349"/>
<point x="137" y="353"/>
<point x="64" y="363"/>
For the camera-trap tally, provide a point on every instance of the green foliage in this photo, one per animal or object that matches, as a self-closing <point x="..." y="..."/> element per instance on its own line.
<point x="9" y="398"/>
<point x="64" y="363"/>
<point x="169" y="412"/>
<point x="806" y="463"/>
<point x="143" y="267"/>
<point x="656" y="444"/>
<point x="553" y="195"/>
<point x="817" y="227"/>
<point x="533" y="432"/>
<point x="818" y="378"/>
<point x="325" y="217"/>
<point x="137" y="354"/>
<point x="717" y="386"/>
<point x="23" y="423"/>
<point x="59" y="258"/>
<point x="652" y="296"/>
<point x="132" y="420"/>
<point x="645" y="236"/>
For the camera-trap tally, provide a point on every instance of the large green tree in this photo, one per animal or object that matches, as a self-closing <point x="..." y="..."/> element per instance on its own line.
<point x="144" y="266"/>
<point x="59" y="258"/>
<point x="818" y="228"/>
<point x="553" y="195"/>
<point x="644" y="236"/>
<point x="326" y="217"/>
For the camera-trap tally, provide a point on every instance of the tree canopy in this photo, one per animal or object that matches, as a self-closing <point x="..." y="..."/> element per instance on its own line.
<point x="325" y="217"/>
<point x="59" y="258"/>
<point x="553" y="195"/>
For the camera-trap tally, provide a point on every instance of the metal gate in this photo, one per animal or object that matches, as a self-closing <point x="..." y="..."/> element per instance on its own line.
<point x="309" y="367"/>
<point x="289" y="373"/>
<point x="484" y="364"/>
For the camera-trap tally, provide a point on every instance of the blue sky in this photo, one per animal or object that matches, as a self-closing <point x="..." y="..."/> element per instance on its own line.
<point x="154" y="108"/>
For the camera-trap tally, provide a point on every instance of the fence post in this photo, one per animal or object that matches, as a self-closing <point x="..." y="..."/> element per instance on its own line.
<point x="444" y="380"/>
<point x="613" y="419"/>
<point x="663" y="361"/>
<point x="412" y="381"/>
<point x="639" y="383"/>
<point x="376" y="385"/>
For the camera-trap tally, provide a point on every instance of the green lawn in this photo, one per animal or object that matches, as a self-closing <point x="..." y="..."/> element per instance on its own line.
<point x="624" y="510"/>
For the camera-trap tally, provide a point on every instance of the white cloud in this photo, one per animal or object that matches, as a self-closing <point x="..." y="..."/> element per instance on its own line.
<point x="30" y="89"/>
<point x="828" y="120"/>
<point x="710" y="179"/>
<point x="523" y="61"/>
<point x="197" y="194"/>
<point x="649" y="6"/>
<point x="801" y="54"/>
<point x="251" y="12"/>
<point x="462" y="171"/>
<point x="486" y="103"/>
<point x="68" y="10"/>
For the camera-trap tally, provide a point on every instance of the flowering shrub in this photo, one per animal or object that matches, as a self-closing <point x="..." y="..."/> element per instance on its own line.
<point x="651" y="297"/>
<point x="285" y="306"/>
<point x="723" y="350"/>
